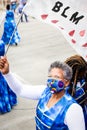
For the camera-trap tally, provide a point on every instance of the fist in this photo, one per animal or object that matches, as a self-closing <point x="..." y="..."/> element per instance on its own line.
<point x="4" y="65"/>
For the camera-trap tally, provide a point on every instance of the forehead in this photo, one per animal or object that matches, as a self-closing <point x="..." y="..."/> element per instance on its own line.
<point x="56" y="72"/>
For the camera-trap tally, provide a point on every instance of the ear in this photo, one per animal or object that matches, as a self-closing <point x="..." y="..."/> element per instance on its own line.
<point x="67" y="83"/>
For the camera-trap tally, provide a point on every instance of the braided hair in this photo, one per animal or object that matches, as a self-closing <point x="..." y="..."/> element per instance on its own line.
<point x="79" y="68"/>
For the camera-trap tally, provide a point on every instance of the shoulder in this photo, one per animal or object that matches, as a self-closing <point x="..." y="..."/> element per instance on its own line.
<point x="75" y="107"/>
<point x="75" y="116"/>
<point x="75" y="111"/>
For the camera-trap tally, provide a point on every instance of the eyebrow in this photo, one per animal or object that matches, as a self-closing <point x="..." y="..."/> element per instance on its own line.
<point x="56" y="76"/>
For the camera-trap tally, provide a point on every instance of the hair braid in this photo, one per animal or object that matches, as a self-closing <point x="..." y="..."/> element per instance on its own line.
<point x="79" y="67"/>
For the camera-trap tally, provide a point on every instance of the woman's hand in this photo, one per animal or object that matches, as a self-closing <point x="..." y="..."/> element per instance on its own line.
<point x="4" y="65"/>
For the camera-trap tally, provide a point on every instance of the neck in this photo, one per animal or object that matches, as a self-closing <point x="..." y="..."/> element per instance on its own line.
<point x="58" y="95"/>
<point x="55" y="98"/>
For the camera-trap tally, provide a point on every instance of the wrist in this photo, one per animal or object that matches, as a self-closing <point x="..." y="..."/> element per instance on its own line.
<point x="7" y="73"/>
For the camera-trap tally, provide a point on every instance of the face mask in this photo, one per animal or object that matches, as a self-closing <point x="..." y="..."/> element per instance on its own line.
<point x="55" y="85"/>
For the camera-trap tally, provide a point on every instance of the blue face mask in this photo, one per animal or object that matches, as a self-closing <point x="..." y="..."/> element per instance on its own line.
<point x="55" y="85"/>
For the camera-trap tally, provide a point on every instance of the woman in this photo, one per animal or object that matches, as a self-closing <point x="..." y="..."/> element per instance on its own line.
<point x="10" y="33"/>
<point x="78" y="84"/>
<point x="20" y="8"/>
<point x="13" y="5"/>
<point x="8" y="98"/>
<point x="56" y="109"/>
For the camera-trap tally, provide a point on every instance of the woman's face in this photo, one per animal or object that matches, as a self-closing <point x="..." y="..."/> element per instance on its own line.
<point x="57" y="73"/>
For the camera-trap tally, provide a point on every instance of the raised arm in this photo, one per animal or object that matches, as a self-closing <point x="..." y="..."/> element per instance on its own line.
<point x="23" y="90"/>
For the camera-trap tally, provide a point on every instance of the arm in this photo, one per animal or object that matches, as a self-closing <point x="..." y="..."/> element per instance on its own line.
<point x="24" y="90"/>
<point x="74" y="118"/>
<point x="27" y="91"/>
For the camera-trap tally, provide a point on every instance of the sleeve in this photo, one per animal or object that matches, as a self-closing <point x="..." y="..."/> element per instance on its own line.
<point x="24" y="90"/>
<point x="74" y="118"/>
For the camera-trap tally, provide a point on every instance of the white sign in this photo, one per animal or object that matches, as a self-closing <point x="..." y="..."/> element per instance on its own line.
<point x="69" y="16"/>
